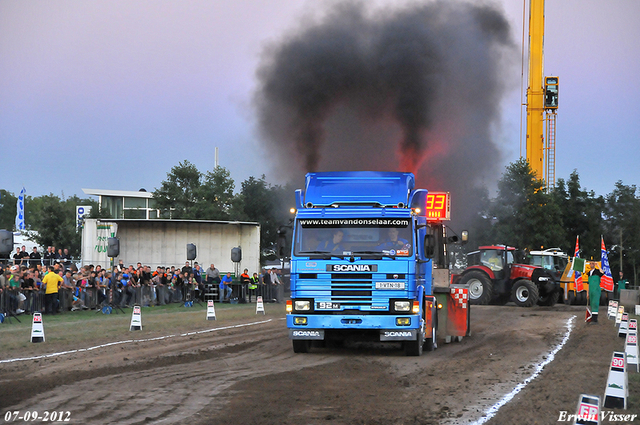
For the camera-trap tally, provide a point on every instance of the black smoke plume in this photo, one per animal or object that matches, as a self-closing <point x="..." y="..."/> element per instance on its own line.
<point x="415" y="89"/>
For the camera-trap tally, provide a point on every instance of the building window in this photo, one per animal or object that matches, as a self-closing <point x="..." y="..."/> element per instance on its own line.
<point x="113" y="205"/>
<point x="135" y="203"/>
<point x="135" y="214"/>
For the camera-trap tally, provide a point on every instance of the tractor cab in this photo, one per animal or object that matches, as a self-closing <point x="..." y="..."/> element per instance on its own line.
<point x="497" y="258"/>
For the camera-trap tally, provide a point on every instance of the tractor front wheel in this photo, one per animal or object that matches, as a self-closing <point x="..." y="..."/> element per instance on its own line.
<point x="525" y="293"/>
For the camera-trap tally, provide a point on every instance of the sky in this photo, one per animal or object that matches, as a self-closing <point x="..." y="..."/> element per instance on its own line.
<point x="109" y="94"/>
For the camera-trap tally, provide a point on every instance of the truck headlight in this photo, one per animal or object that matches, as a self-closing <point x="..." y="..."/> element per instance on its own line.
<point x="302" y="306"/>
<point x="402" y="305"/>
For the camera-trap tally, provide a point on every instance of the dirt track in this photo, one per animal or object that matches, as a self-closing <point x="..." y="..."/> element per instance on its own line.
<point x="250" y="375"/>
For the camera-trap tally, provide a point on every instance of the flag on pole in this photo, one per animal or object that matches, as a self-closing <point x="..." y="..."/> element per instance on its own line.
<point x="20" y="211"/>
<point x="577" y="267"/>
<point x="606" y="281"/>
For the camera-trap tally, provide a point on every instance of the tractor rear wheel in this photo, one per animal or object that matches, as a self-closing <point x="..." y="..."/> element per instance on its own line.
<point x="525" y="293"/>
<point x="480" y="287"/>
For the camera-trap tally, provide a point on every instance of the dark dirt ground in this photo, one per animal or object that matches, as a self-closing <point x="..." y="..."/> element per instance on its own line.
<point x="250" y="375"/>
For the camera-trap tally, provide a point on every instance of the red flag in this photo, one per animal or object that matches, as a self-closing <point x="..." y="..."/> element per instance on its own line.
<point x="588" y="316"/>
<point x="606" y="281"/>
<point x="577" y="276"/>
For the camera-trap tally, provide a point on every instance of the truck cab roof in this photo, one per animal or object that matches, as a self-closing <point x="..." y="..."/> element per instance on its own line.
<point x="365" y="188"/>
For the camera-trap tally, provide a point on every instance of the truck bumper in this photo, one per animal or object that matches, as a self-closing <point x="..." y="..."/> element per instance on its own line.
<point x="385" y="325"/>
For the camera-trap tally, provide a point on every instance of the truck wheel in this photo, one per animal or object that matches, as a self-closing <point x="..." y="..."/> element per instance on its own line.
<point x="549" y="299"/>
<point x="301" y="345"/>
<point x="571" y="298"/>
<point x="525" y="293"/>
<point x="414" y="348"/>
<point x="480" y="287"/>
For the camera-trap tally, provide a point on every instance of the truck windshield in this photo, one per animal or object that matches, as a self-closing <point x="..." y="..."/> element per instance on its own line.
<point x="359" y="237"/>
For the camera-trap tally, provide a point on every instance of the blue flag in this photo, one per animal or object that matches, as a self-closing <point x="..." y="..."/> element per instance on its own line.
<point x="20" y="211"/>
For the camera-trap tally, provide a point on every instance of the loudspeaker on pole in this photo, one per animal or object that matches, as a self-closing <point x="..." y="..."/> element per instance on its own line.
<point x="6" y="241"/>
<point x="113" y="247"/>
<point x="191" y="251"/>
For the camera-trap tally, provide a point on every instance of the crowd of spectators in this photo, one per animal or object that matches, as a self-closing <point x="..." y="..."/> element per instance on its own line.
<point x="52" y="283"/>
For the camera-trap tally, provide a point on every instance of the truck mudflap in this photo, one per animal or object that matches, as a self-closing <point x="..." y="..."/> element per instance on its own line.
<point x="399" y="335"/>
<point x="454" y="316"/>
<point x="307" y="334"/>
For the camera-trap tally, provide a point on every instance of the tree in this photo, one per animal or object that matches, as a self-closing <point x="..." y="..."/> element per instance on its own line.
<point x="215" y="197"/>
<point x="178" y="195"/>
<point x="8" y="209"/>
<point x="52" y="221"/>
<point x="267" y="205"/>
<point x="526" y="216"/>
<point x="581" y="216"/>
<point x="622" y="218"/>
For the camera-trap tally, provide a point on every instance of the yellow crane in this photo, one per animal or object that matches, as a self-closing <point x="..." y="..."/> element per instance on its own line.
<point x="542" y="102"/>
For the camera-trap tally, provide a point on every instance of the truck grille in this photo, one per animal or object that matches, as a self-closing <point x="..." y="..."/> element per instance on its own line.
<point x="351" y="289"/>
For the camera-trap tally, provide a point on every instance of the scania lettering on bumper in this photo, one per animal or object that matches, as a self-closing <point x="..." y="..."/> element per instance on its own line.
<point x="306" y="334"/>
<point x="403" y="335"/>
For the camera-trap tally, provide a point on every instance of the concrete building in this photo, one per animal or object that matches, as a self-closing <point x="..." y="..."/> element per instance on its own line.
<point x="153" y="240"/>
<point x="164" y="242"/>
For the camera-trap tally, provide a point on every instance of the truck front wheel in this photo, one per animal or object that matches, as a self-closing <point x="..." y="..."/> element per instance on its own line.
<point x="525" y="293"/>
<point x="414" y="348"/>
<point x="301" y="345"/>
<point x="431" y="344"/>
<point x="480" y="287"/>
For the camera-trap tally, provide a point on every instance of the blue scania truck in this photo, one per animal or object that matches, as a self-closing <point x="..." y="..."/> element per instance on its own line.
<point x="369" y="262"/>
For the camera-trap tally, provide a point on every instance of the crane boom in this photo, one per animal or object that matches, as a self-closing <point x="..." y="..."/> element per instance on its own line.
<point x="535" y="90"/>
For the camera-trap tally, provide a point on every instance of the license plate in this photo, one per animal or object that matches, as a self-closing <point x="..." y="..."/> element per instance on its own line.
<point x="389" y="285"/>
<point x="327" y="306"/>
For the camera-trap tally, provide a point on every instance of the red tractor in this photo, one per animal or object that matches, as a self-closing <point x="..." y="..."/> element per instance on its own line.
<point x="493" y="276"/>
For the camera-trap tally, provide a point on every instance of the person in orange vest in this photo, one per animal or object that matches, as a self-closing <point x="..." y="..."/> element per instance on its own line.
<point x="245" y="279"/>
